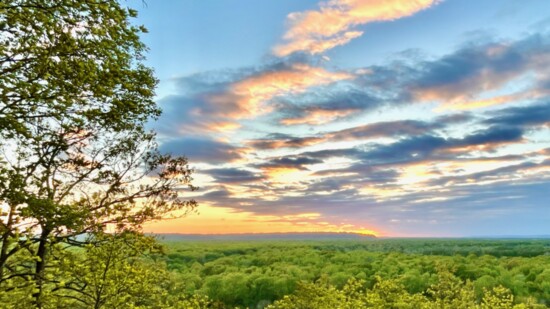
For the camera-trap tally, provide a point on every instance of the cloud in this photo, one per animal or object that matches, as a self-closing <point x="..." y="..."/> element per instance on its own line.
<point x="498" y="100"/>
<point x="201" y="150"/>
<point x="330" y="103"/>
<point x="317" y="116"/>
<point x="332" y="25"/>
<point x="288" y="169"/>
<point x="419" y="148"/>
<point x="275" y="141"/>
<point x="233" y="175"/>
<point x="209" y="103"/>
<point x="251" y="93"/>
<point x="530" y="115"/>
<point x="405" y="150"/>
<point x="479" y="74"/>
<point x="474" y="76"/>
<point x="185" y="115"/>
<point x="442" y="167"/>
<point x="458" y="79"/>
<point x="386" y="129"/>
<point x="297" y="90"/>
<point x="374" y="193"/>
<point x="490" y="135"/>
<point x="416" y="148"/>
<point x="332" y="153"/>
<point x="322" y="194"/>
<point x="296" y="162"/>
<point x="507" y="173"/>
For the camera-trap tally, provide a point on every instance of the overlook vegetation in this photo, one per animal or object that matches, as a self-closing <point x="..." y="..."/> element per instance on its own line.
<point x="79" y="172"/>
<point x="378" y="273"/>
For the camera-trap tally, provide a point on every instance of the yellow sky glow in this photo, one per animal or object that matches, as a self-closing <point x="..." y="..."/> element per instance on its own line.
<point x="218" y="220"/>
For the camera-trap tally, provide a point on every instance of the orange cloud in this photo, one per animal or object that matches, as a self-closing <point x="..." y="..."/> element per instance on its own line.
<point x="223" y="126"/>
<point x="286" y="174"/>
<point x="316" y="46"/>
<point x="486" y="147"/>
<point x="483" y="103"/>
<point x="381" y="193"/>
<point x="247" y="98"/>
<point x="317" y="31"/>
<point x="503" y="99"/>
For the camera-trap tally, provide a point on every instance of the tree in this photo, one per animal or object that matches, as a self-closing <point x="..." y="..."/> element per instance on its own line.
<point x="76" y="61"/>
<point x="123" y="270"/>
<point x="116" y="271"/>
<point x="76" y="157"/>
<point x="109" y="272"/>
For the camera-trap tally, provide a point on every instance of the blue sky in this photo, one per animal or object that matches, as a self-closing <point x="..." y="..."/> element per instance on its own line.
<point x="399" y="118"/>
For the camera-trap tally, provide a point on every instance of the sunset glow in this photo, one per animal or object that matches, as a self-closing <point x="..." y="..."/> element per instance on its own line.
<point x="393" y="118"/>
<point x="213" y="220"/>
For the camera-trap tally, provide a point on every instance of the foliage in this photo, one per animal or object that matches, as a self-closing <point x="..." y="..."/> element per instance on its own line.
<point x="390" y="293"/>
<point x="112" y="271"/>
<point x="249" y="274"/>
<point x="76" y="157"/>
<point x="72" y="62"/>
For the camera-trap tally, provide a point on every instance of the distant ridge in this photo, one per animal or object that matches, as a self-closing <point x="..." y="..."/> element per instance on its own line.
<point x="265" y="236"/>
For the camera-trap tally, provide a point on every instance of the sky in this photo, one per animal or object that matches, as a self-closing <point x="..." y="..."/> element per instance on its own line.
<point x="400" y="118"/>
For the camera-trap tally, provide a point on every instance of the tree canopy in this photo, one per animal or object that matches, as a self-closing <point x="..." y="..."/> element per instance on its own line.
<point x="76" y="158"/>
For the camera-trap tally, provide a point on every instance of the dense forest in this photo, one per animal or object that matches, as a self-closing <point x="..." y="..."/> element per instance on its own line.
<point x="370" y="273"/>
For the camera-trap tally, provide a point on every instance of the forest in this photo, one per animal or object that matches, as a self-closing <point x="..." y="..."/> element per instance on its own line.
<point x="370" y="273"/>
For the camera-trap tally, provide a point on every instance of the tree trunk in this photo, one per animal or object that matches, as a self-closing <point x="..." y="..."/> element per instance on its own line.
<point x="6" y="242"/>
<point x="40" y="266"/>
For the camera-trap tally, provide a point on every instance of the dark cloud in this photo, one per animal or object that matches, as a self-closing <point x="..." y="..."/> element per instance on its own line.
<point x="362" y="173"/>
<point x="454" y="118"/>
<point x="332" y="153"/>
<point x="185" y="114"/>
<point x="283" y="142"/>
<point x="460" y="73"/>
<point x="176" y="119"/>
<point x="530" y="115"/>
<point x="298" y="162"/>
<point x="490" y="135"/>
<point x="397" y="128"/>
<point x="420" y="148"/>
<point x="339" y="97"/>
<point x="201" y="150"/>
<point x="476" y="68"/>
<point x="210" y="81"/>
<point x="233" y="175"/>
<point x="387" y="129"/>
<point x="406" y="150"/>
<point x="328" y="185"/>
<point x="217" y="195"/>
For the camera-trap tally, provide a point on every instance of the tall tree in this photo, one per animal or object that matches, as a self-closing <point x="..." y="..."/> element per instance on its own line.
<point x="75" y="155"/>
<point x="72" y="60"/>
